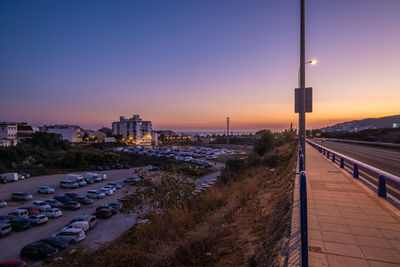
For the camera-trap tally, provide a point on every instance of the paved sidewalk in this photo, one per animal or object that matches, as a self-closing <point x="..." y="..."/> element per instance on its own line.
<point x="348" y="225"/>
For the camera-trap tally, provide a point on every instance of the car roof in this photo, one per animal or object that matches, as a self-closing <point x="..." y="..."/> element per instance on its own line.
<point x="83" y="216"/>
<point x="20" y="209"/>
<point x="70" y="230"/>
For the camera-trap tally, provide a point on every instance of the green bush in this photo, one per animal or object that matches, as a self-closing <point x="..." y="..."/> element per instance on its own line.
<point x="264" y="142"/>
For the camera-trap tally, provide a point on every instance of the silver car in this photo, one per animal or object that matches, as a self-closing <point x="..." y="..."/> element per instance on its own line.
<point x="21" y="196"/>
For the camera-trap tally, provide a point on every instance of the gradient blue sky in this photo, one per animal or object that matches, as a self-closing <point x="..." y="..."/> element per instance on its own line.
<point x="189" y="64"/>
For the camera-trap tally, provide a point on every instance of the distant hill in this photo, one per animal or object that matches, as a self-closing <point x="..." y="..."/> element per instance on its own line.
<point x="359" y="125"/>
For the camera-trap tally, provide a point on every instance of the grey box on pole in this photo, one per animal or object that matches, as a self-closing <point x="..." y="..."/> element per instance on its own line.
<point x="297" y="100"/>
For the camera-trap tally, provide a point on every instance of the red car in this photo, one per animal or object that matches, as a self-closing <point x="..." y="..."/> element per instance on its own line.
<point x="31" y="210"/>
<point x="13" y="263"/>
<point x="103" y="213"/>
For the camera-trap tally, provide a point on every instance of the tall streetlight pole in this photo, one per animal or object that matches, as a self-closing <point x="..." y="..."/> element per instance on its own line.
<point x="302" y="113"/>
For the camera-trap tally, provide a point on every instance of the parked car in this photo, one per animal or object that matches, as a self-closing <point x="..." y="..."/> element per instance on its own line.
<point x="109" y="187"/>
<point x="53" y="203"/>
<point x="4" y="219"/>
<point x="38" y="219"/>
<point x="106" y="191"/>
<point x="69" y="184"/>
<point x="115" y="185"/>
<point x="23" y="213"/>
<point x="89" y="180"/>
<point x="55" y="242"/>
<point x="26" y="175"/>
<point x="31" y="210"/>
<point x="37" y="251"/>
<point x="83" y="225"/>
<point x="21" y="196"/>
<point x="116" y="205"/>
<point x="21" y="177"/>
<point x="13" y="263"/>
<point x="53" y="213"/>
<point x="126" y="166"/>
<point x="71" y="205"/>
<point x="113" y="211"/>
<point x="71" y="235"/>
<point x="84" y="200"/>
<point x="2" y="203"/>
<point x="71" y="195"/>
<point x="62" y="199"/>
<point x="18" y="223"/>
<point x="123" y="200"/>
<point x="41" y="205"/>
<point x="132" y="179"/>
<point x="95" y="194"/>
<point x="103" y="213"/>
<point x="95" y="176"/>
<point x="88" y="218"/>
<point x="99" y="168"/>
<point x="77" y="178"/>
<point x="5" y="229"/>
<point x="46" y="190"/>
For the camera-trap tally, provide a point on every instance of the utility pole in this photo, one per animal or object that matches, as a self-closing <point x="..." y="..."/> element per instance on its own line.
<point x="227" y="130"/>
<point x="302" y="113"/>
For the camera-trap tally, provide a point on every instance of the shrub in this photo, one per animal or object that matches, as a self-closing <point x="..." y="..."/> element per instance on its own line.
<point x="264" y="142"/>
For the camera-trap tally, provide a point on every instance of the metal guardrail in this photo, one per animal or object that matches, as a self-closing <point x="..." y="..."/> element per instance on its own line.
<point x="381" y="175"/>
<point x="303" y="211"/>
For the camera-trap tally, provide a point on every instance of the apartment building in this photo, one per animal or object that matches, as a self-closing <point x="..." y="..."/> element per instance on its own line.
<point x="8" y="134"/>
<point x="134" y="130"/>
<point x="72" y="133"/>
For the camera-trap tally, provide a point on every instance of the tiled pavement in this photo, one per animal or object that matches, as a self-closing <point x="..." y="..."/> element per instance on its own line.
<point x="348" y="224"/>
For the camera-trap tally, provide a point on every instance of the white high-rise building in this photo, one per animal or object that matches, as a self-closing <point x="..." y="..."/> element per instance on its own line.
<point x="133" y="130"/>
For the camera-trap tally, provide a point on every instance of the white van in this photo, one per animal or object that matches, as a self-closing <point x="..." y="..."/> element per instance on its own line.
<point x="69" y="184"/>
<point x="9" y="177"/>
<point x="19" y="213"/>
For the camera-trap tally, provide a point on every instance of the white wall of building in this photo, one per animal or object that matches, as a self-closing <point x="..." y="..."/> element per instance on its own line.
<point x="68" y="132"/>
<point x="8" y="131"/>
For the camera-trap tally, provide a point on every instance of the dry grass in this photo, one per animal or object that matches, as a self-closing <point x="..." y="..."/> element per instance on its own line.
<point x="236" y="223"/>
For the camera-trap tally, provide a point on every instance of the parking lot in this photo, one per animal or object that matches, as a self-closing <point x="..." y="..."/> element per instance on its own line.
<point x="106" y="229"/>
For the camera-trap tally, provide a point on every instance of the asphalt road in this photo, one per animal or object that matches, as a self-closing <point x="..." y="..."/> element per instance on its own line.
<point x="106" y="230"/>
<point x="382" y="158"/>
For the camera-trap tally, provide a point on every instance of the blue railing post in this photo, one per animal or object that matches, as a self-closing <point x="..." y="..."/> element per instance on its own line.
<point x="342" y="162"/>
<point x="301" y="163"/>
<point x="381" y="186"/>
<point x="327" y="155"/>
<point x="333" y="157"/>
<point x="355" y="171"/>
<point x="303" y="219"/>
<point x="323" y="152"/>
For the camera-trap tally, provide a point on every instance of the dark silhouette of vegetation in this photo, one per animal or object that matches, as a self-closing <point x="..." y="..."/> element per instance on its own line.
<point x="48" y="141"/>
<point x="47" y="153"/>
<point x="266" y="140"/>
<point x="390" y="135"/>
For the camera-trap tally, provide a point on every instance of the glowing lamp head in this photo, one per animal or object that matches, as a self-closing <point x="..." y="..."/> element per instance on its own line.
<point x="312" y="62"/>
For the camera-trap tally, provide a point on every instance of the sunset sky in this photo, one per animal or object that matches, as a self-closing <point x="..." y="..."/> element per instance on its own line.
<point x="186" y="65"/>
